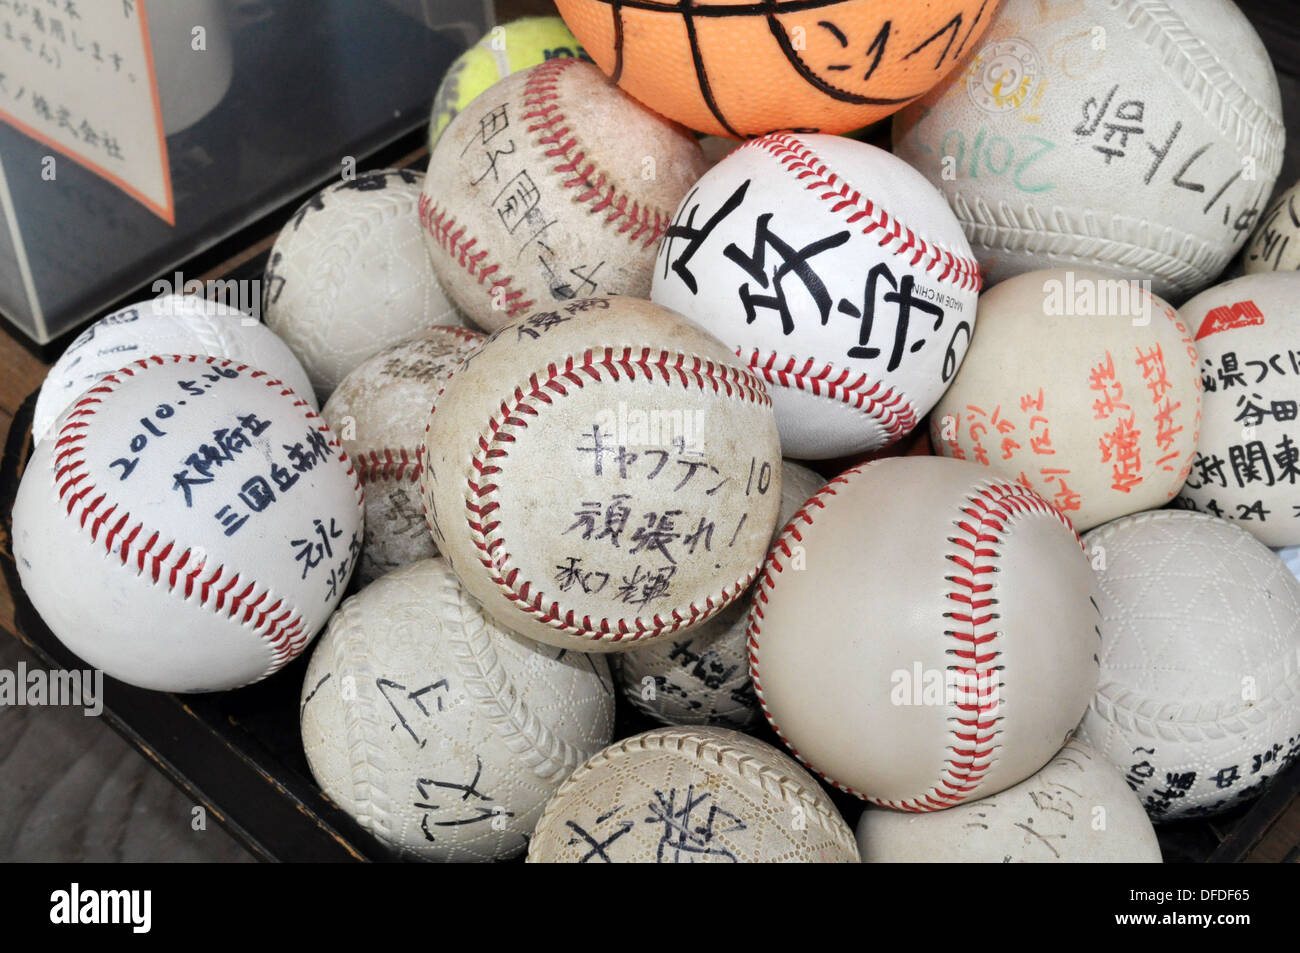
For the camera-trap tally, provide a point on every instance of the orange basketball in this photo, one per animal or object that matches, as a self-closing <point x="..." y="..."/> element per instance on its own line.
<point x="747" y="67"/>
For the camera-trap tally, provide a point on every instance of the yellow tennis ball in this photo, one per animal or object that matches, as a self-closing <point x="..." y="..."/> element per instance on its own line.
<point x="504" y="50"/>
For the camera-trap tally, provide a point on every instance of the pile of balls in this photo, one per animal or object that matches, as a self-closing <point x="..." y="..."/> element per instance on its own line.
<point x="563" y="381"/>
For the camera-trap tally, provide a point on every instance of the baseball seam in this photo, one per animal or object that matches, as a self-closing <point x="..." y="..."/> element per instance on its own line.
<point x="465" y="252"/>
<point x="807" y="167"/>
<point x="631" y="219"/>
<point x="729" y="758"/>
<point x="886" y="405"/>
<point x="489" y="685"/>
<point x="984" y="517"/>
<point x="280" y="626"/>
<point x="594" y="365"/>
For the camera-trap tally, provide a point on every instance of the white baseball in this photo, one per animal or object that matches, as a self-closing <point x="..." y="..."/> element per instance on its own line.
<point x="1077" y="809"/>
<point x="897" y="639"/>
<point x="1247" y="462"/>
<point x="1275" y="246"/>
<point x="1199" y="701"/>
<point x="1084" y="388"/>
<point x="349" y="275"/>
<point x="838" y="273"/>
<point x="691" y="795"/>
<point x="1141" y="138"/>
<point x="440" y="733"/>
<point x="552" y="184"/>
<point x="702" y="678"/>
<point x="172" y="324"/>
<point x="189" y="524"/>
<point x="602" y="475"/>
<point x="379" y="412"/>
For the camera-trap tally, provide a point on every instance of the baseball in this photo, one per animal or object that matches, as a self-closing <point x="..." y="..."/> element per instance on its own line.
<point x="602" y="474"/>
<point x="1275" y="246"/>
<point x="1199" y="701"/>
<point x="691" y="795"/>
<point x="1140" y="138"/>
<point x="440" y="733"/>
<point x="549" y="186"/>
<point x="379" y="413"/>
<point x="349" y="275"/>
<point x="172" y="324"/>
<point x="188" y="525"/>
<point x="838" y="273"/>
<point x="1077" y="809"/>
<point x="1083" y="388"/>
<point x="1247" y="460"/>
<point x="929" y="677"/>
<point x="702" y="678"/>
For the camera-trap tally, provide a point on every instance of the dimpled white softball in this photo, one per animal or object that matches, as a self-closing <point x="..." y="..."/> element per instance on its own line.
<point x="1247" y="462"/>
<point x="838" y="273"/>
<point x="1275" y="246"/>
<point x="691" y="796"/>
<point x="898" y="641"/>
<point x="1141" y="138"/>
<point x="189" y="524"/>
<point x="440" y="733"/>
<point x="552" y="184"/>
<point x="602" y="475"/>
<point x="1199" y="701"/>
<point x="171" y="324"/>
<point x="349" y="275"/>
<point x="1077" y="809"/>
<point x="703" y="678"/>
<point x="379" y="412"/>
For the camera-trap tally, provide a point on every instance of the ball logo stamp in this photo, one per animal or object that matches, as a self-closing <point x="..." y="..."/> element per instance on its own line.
<point x="1003" y="75"/>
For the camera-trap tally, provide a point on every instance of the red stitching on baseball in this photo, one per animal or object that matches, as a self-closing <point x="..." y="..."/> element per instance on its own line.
<point x="594" y="365"/>
<point x="984" y="518"/>
<point x="398" y="465"/>
<point x="884" y="404"/>
<point x="285" y="635"/>
<point x="443" y="228"/>
<point x="807" y="166"/>
<point x="634" y="221"/>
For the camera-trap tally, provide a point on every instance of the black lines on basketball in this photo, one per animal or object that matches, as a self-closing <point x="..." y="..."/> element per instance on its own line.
<point x="616" y="11"/>
<point x="701" y="72"/>
<point x="820" y="84"/>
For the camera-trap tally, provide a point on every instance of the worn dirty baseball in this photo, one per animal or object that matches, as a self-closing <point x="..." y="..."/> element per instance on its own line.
<point x="170" y="324"/>
<point x="1199" y="700"/>
<point x="1077" y="809"/>
<point x="702" y="678"/>
<point x="349" y="275"/>
<point x="1247" y="460"/>
<point x="838" y="273"/>
<point x="1275" y="246"/>
<point x="690" y="796"/>
<point x="602" y="474"/>
<point x="440" y="733"/>
<point x="1084" y="388"/>
<point x="898" y="636"/>
<point x="552" y="185"/>
<point x="380" y="412"/>
<point x="189" y="524"/>
<point x="1141" y="138"/>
